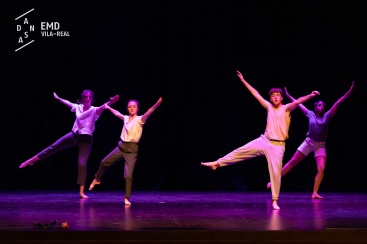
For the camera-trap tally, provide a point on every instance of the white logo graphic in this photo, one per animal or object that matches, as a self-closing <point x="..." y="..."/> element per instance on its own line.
<point x="30" y="28"/>
<point x="25" y="29"/>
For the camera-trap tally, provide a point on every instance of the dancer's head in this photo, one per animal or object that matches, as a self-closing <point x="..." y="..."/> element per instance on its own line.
<point x="319" y="107"/>
<point x="86" y="97"/>
<point x="276" y="96"/>
<point x="133" y="107"/>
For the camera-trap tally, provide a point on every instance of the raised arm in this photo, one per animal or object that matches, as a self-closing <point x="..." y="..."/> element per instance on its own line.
<point x="151" y="110"/>
<point x="113" y="111"/>
<point x="112" y="100"/>
<point x="303" y="108"/>
<point x="335" y="107"/>
<point x="63" y="101"/>
<point x="254" y="92"/>
<point x="291" y="106"/>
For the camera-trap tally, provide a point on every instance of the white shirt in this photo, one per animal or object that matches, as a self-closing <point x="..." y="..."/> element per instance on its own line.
<point x="278" y="122"/>
<point x="85" y="121"/>
<point x="132" y="130"/>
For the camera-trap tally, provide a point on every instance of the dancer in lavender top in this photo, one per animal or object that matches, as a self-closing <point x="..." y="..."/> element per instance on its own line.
<point x="318" y="124"/>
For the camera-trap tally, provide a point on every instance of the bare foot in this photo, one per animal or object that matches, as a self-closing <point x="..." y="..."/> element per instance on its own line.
<point x="24" y="164"/>
<point x="127" y="201"/>
<point x="268" y="185"/>
<point x="275" y="205"/>
<point x="95" y="182"/>
<point x="82" y="195"/>
<point x="212" y="165"/>
<point x="29" y="162"/>
<point x="316" y="196"/>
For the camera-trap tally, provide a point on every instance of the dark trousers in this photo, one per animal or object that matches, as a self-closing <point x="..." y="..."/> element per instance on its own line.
<point x="83" y="142"/>
<point x="127" y="151"/>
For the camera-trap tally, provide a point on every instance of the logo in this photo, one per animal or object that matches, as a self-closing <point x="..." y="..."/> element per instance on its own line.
<point x="26" y="30"/>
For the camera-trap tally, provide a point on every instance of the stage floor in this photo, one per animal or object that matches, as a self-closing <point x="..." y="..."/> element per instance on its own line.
<point x="183" y="216"/>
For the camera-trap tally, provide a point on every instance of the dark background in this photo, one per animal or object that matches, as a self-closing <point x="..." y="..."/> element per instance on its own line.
<point x="188" y="53"/>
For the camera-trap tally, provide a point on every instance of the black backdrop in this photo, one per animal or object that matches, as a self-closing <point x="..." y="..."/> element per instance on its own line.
<point x="188" y="53"/>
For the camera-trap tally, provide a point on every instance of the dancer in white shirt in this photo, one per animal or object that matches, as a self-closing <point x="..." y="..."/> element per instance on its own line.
<point x="271" y="144"/>
<point x="81" y="134"/>
<point x="127" y="149"/>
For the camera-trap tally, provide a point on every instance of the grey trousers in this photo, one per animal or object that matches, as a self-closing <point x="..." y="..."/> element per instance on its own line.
<point x="128" y="151"/>
<point x="83" y="142"/>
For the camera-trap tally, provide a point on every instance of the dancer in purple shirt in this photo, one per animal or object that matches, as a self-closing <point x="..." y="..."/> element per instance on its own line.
<point x="318" y="124"/>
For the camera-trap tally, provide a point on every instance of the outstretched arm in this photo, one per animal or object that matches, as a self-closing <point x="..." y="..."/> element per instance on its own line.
<point x="63" y="101"/>
<point x="112" y="100"/>
<point x="151" y="110"/>
<point x="291" y="106"/>
<point x="335" y="107"/>
<point x="113" y="111"/>
<point x="303" y="108"/>
<point x="254" y="92"/>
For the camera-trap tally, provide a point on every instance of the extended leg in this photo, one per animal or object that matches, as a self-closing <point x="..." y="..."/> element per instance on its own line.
<point x="64" y="142"/>
<point x="250" y="150"/>
<point x="114" y="156"/>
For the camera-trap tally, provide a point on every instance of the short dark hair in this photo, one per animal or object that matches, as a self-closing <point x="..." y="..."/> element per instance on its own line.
<point x="80" y="99"/>
<point x="315" y="104"/>
<point x="273" y="90"/>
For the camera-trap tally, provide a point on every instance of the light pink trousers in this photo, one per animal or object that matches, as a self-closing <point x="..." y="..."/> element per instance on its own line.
<point x="272" y="150"/>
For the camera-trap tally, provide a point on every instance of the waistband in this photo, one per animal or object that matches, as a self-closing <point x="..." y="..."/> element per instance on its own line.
<point x="270" y="139"/>
<point x="315" y="142"/>
<point x="129" y="142"/>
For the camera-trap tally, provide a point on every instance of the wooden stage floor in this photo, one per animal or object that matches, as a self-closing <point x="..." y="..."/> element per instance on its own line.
<point x="182" y="217"/>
